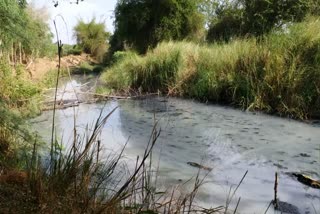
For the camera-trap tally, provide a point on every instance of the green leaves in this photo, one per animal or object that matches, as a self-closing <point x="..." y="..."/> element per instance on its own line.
<point x="143" y="24"/>
<point x="239" y="18"/>
<point x="92" y="36"/>
<point x="19" y="24"/>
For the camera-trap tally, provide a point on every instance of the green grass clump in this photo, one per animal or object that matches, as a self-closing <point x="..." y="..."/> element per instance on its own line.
<point x="16" y="90"/>
<point x="88" y="68"/>
<point x="121" y="76"/>
<point x="50" y="78"/>
<point x="71" y="50"/>
<point x="279" y="73"/>
<point x="18" y="99"/>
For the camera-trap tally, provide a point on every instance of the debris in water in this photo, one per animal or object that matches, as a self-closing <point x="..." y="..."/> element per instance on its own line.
<point x="199" y="166"/>
<point x="306" y="180"/>
<point x="281" y="206"/>
<point x="305" y="155"/>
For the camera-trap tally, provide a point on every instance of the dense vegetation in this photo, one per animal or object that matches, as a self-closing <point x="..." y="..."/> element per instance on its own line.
<point x="142" y="24"/>
<point x="66" y="181"/>
<point x="243" y="18"/>
<point x="254" y="54"/>
<point x="261" y="58"/>
<point x="23" y="32"/>
<point x="92" y="38"/>
<point x="24" y="35"/>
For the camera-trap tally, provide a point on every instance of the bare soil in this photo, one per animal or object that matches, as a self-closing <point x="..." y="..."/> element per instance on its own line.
<point x="39" y="67"/>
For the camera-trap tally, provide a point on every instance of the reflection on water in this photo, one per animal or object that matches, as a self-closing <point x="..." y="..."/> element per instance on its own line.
<point x="227" y="140"/>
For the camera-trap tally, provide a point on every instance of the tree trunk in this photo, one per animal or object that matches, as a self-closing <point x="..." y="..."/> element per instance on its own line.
<point x="8" y="55"/>
<point x="20" y="54"/>
<point x="24" y="56"/>
<point x="12" y="56"/>
<point x="15" y="54"/>
<point x="1" y="54"/>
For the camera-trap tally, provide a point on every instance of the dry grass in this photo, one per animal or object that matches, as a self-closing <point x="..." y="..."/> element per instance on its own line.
<point x="82" y="180"/>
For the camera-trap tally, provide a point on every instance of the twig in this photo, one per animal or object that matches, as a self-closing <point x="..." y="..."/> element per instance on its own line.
<point x="28" y="66"/>
<point x="234" y="192"/>
<point x="117" y="97"/>
<point x="59" y="46"/>
<point x="235" y="211"/>
<point x="275" y="200"/>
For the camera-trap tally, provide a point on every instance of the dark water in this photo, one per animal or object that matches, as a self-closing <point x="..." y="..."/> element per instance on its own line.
<point x="227" y="140"/>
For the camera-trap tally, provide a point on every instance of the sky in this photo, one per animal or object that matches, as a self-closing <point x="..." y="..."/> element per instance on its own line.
<point x="71" y="13"/>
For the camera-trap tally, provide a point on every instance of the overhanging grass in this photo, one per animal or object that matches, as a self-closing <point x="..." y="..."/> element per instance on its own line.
<point x="19" y="97"/>
<point x="279" y="74"/>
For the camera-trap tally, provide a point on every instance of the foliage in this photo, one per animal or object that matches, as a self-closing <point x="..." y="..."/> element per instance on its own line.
<point x="38" y="35"/>
<point x="12" y="21"/>
<point x="22" y="30"/>
<point x="15" y="90"/>
<point x="255" y="17"/>
<point x="22" y="3"/>
<point x="92" y="37"/>
<point x="142" y="24"/>
<point x="277" y="75"/>
<point x="208" y="9"/>
<point x="17" y="100"/>
<point x="71" y="50"/>
<point x="227" y="23"/>
<point x="261" y="16"/>
<point x="314" y="7"/>
<point x="26" y="26"/>
<point x="50" y="78"/>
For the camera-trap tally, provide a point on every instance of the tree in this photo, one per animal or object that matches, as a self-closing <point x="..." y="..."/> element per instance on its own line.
<point x="314" y="6"/>
<point x="209" y="8"/>
<point x="227" y="21"/>
<point x="260" y="16"/>
<point x="255" y="17"/>
<point x="21" y="30"/>
<point x="23" y="3"/>
<point x="92" y="37"/>
<point x="38" y="36"/>
<point x="143" y="23"/>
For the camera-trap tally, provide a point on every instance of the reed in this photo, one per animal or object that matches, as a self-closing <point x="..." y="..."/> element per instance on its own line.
<point x="277" y="74"/>
<point x="81" y="179"/>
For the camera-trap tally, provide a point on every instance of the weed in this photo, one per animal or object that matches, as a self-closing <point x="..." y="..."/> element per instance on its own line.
<point x="277" y="74"/>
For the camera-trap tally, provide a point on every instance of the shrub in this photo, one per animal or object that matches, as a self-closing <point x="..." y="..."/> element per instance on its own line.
<point x="278" y="74"/>
<point x="92" y="38"/>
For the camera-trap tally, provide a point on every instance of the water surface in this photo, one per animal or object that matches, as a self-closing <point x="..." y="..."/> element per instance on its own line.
<point x="227" y="140"/>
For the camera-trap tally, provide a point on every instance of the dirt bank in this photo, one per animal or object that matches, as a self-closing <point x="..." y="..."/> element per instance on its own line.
<point x="39" y="67"/>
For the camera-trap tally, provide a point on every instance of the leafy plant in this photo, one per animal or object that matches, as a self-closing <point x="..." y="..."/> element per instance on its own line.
<point x="278" y="74"/>
<point x="92" y="37"/>
<point x="239" y="18"/>
<point x="142" y="24"/>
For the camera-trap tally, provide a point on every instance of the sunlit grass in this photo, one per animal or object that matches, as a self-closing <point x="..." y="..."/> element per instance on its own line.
<point x="279" y="74"/>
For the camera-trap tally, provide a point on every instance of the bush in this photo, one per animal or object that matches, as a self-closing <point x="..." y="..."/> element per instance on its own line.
<point x="15" y="90"/>
<point x="279" y="74"/>
<point x="71" y="50"/>
<point x="92" y="38"/>
<point x="142" y="24"/>
<point x="255" y="17"/>
<point x="18" y="99"/>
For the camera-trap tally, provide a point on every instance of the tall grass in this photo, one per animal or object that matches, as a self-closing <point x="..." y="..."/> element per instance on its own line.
<point x="279" y="74"/>
<point x="16" y="90"/>
<point x="81" y="179"/>
<point x="18" y="99"/>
